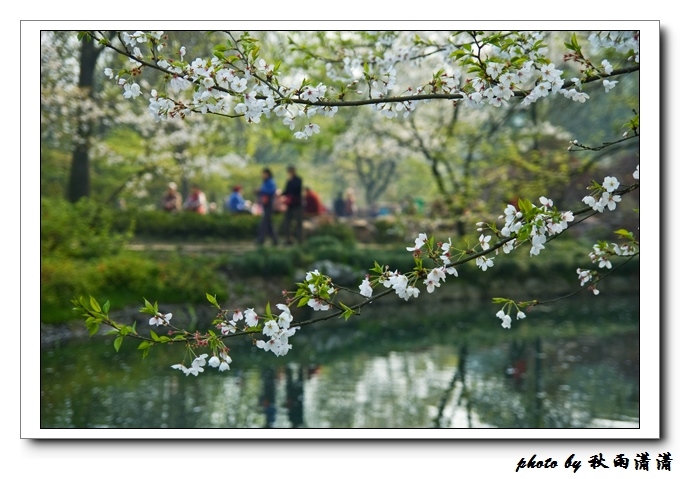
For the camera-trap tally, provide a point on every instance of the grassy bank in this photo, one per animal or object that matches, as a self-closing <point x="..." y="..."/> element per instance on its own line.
<point x="83" y="253"/>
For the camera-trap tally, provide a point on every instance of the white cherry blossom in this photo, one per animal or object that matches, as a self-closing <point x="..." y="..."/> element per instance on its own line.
<point x="609" y="84"/>
<point x="610" y="183"/>
<point x="484" y="263"/>
<point x="318" y="305"/>
<point x="160" y="319"/>
<point x="420" y="241"/>
<point x="365" y="288"/>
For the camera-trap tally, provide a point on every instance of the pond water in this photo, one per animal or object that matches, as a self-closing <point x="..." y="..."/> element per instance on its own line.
<point x="573" y="365"/>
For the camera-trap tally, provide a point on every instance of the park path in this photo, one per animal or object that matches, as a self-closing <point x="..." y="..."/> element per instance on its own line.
<point x="236" y="247"/>
<point x="221" y="247"/>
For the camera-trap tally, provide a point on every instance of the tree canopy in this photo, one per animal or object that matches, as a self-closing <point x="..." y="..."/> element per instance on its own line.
<point x="482" y="109"/>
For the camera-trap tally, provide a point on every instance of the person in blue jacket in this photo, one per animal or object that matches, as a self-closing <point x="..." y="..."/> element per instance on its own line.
<point x="236" y="203"/>
<point x="265" y="196"/>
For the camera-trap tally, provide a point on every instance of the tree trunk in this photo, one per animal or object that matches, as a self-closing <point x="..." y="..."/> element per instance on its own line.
<point x="79" y="179"/>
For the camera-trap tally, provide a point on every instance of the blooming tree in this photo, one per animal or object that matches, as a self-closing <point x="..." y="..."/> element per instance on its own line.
<point x="472" y="71"/>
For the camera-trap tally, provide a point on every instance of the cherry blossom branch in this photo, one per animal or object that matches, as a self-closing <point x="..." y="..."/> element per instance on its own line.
<point x="361" y="102"/>
<point x="590" y="286"/>
<point x="589" y="212"/>
<point x="604" y="145"/>
<point x="441" y="96"/>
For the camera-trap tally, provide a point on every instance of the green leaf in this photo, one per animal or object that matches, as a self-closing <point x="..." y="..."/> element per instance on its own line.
<point x="148" y="308"/>
<point x="154" y="335"/>
<point x="106" y="306"/>
<point x="213" y="300"/>
<point x="525" y="206"/>
<point x="303" y="301"/>
<point x="523" y="234"/>
<point x="95" y="305"/>
<point x="117" y="342"/>
<point x="625" y="234"/>
<point x="92" y="325"/>
<point x="145" y="353"/>
<point x="145" y="345"/>
<point x="220" y="48"/>
<point x="268" y="310"/>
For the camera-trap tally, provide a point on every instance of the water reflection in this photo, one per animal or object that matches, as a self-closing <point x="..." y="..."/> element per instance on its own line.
<point x="556" y="373"/>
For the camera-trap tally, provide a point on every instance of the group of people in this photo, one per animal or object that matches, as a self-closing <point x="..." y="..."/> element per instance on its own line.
<point x="292" y="198"/>
<point x="294" y="201"/>
<point x="196" y="201"/>
<point x="345" y="206"/>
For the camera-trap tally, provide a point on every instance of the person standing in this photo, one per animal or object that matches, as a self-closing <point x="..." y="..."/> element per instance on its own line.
<point x="265" y="196"/>
<point x="293" y="198"/>
<point x="339" y="205"/>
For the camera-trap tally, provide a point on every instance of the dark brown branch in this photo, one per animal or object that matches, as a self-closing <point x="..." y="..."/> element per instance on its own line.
<point x="589" y="286"/>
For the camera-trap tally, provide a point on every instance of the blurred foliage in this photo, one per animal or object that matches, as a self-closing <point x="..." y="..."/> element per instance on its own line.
<point x="341" y="232"/>
<point x="124" y="279"/>
<point x="187" y="225"/>
<point x="81" y="230"/>
<point x="82" y="253"/>
<point x="483" y="166"/>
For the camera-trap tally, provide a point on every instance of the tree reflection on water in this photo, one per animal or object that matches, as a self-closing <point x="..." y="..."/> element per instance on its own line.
<point x="427" y="373"/>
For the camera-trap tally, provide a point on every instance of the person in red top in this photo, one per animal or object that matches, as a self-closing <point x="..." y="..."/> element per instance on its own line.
<point x="313" y="204"/>
<point x="196" y="201"/>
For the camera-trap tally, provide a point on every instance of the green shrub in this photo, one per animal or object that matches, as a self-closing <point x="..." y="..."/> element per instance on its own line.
<point x="79" y="230"/>
<point x="343" y="232"/>
<point x="389" y="230"/>
<point x="125" y="278"/>
<point x="186" y="225"/>
<point x="316" y="242"/>
<point x="266" y="262"/>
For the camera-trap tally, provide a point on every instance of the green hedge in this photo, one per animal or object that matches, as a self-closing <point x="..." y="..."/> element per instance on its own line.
<point x="81" y="230"/>
<point x="186" y="225"/>
<point x="124" y="278"/>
